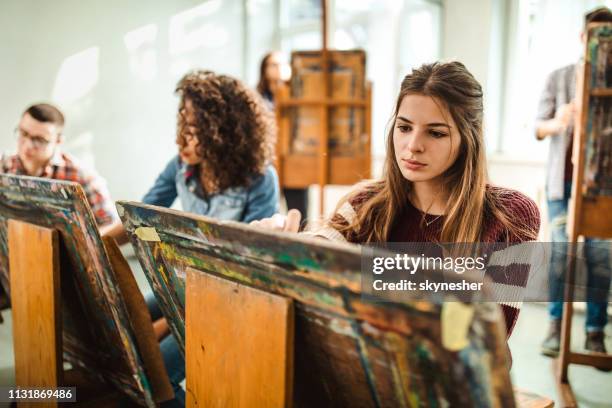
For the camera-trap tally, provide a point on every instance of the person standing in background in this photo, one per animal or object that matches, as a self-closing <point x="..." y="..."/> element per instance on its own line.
<point x="270" y="77"/>
<point x="555" y="122"/>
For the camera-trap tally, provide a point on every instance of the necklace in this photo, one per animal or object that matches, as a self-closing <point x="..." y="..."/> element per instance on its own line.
<point x="424" y="215"/>
<point x="428" y="223"/>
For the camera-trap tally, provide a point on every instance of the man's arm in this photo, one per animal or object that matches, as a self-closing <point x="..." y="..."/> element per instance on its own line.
<point x="552" y="119"/>
<point x="98" y="197"/>
<point x="103" y="208"/>
<point x="558" y="124"/>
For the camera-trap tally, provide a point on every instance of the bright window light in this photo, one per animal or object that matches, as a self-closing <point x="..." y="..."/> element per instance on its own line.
<point x="77" y="76"/>
<point x="194" y="28"/>
<point x="140" y="44"/>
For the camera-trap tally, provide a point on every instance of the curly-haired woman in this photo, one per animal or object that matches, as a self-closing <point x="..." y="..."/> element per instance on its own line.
<point x="226" y="141"/>
<point x="223" y="169"/>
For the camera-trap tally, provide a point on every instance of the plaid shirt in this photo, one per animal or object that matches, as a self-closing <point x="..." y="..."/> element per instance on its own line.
<point x="64" y="167"/>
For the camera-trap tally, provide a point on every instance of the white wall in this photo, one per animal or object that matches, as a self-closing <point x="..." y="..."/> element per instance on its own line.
<point x="543" y="36"/>
<point x="477" y="32"/>
<point x="470" y="35"/>
<point x="117" y="88"/>
<point x="127" y="56"/>
<point x="262" y="35"/>
<point x="466" y="34"/>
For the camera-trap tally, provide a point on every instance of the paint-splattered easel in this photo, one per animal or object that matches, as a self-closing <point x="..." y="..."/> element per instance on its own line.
<point x="270" y="319"/>
<point x="73" y="298"/>
<point x="299" y="169"/>
<point x="589" y="211"/>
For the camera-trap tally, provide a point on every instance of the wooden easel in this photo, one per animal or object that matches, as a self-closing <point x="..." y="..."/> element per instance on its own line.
<point x="37" y="324"/>
<point x="239" y="344"/>
<point x="34" y="269"/>
<point x="246" y="291"/>
<point x="298" y="170"/>
<point x="34" y="265"/>
<point x="587" y="217"/>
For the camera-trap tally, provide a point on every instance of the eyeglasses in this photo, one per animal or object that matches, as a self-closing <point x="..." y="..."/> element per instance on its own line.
<point x="38" y="142"/>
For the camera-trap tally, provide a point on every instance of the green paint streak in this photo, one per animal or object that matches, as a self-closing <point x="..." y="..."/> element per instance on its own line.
<point x="326" y="298"/>
<point x="173" y="254"/>
<point x="305" y="262"/>
<point x="422" y="352"/>
<point x="170" y="253"/>
<point x="264" y="278"/>
<point x="234" y="275"/>
<point x="206" y="229"/>
<point x="305" y="293"/>
<point x="161" y="272"/>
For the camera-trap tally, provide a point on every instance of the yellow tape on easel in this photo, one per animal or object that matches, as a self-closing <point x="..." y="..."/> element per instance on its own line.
<point x="456" y="320"/>
<point x="147" y="234"/>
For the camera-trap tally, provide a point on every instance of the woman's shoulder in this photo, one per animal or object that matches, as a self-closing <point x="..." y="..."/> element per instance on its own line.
<point x="514" y="201"/>
<point x="173" y="166"/>
<point x="266" y="180"/>
<point x="349" y="205"/>
<point x="363" y="192"/>
<point x="516" y="206"/>
<point x="269" y="174"/>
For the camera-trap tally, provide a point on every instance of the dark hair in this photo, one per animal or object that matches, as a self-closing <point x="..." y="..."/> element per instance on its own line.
<point x="45" y="112"/>
<point x="599" y="15"/>
<point x="235" y="131"/>
<point x="263" y="86"/>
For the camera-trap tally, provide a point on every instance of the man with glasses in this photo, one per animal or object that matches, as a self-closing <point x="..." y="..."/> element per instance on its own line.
<point x="39" y="137"/>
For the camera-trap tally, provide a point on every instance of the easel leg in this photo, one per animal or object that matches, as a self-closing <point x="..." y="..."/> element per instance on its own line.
<point x="562" y="364"/>
<point x="34" y="275"/>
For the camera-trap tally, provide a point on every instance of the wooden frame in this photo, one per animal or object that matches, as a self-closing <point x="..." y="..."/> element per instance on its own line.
<point x="34" y="268"/>
<point x="349" y="347"/>
<point x="300" y="170"/>
<point x="234" y="362"/>
<point x="100" y="336"/>
<point x="584" y="219"/>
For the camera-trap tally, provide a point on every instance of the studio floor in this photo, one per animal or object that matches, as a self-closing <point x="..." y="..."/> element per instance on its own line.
<point x="531" y="371"/>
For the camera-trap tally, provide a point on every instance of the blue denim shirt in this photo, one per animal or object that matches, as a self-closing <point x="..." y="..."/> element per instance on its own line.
<point x="256" y="201"/>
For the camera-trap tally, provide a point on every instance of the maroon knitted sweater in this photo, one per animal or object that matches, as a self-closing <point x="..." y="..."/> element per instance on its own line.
<point x="410" y="228"/>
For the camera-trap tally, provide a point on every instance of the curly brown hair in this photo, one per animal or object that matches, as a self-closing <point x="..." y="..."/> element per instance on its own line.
<point x="236" y="132"/>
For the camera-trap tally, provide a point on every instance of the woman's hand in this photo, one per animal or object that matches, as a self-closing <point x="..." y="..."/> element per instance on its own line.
<point x="278" y="222"/>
